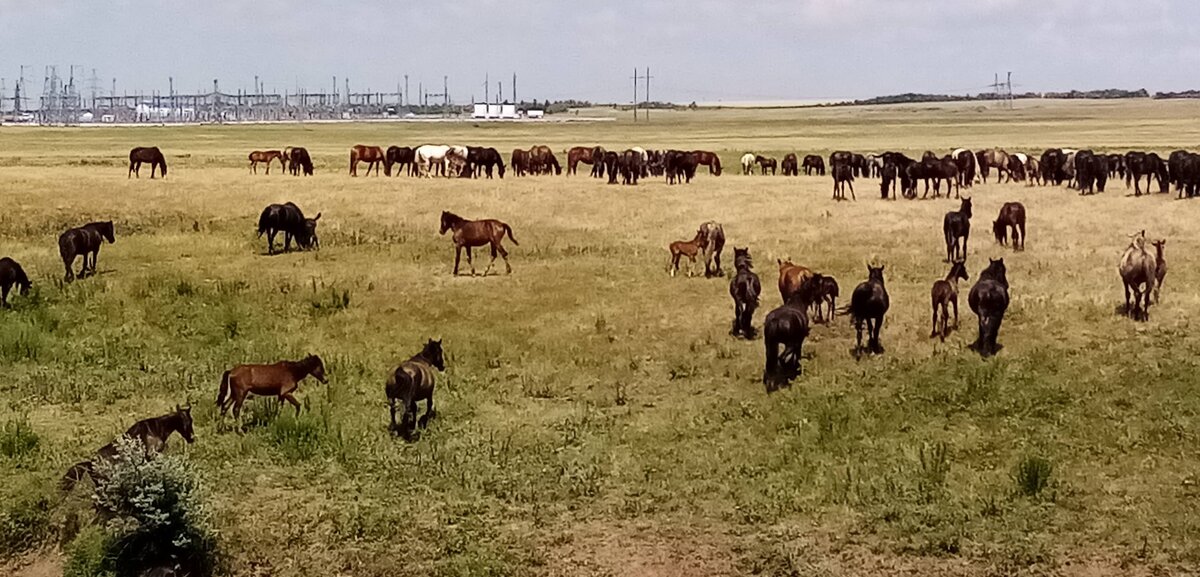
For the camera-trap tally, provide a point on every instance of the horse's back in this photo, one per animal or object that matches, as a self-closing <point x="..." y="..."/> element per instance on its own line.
<point x="411" y="374"/>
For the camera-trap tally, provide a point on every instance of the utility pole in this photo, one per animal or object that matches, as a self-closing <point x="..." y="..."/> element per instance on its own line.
<point x="487" y="86"/>
<point x="1010" y="92"/>
<point x="635" y="79"/>
<point x="445" y="93"/>
<point x="514" y="87"/>
<point x="406" y="100"/>
<point x="647" y="93"/>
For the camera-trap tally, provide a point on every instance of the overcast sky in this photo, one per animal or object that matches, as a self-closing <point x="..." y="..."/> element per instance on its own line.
<point x="702" y="50"/>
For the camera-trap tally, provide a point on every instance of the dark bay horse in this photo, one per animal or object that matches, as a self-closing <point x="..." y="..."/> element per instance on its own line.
<point x="745" y="289"/>
<point x="472" y="233"/>
<point x="399" y="157"/>
<point x="267" y="157"/>
<point x="280" y="380"/>
<point x="944" y="295"/>
<point x="12" y="274"/>
<point x="790" y="165"/>
<point x="766" y="163"/>
<point x="813" y="164"/>
<point x="956" y="227"/>
<point x="372" y="155"/>
<point x="288" y="219"/>
<point x="485" y="160"/>
<point x="413" y="382"/>
<point x="84" y="241"/>
<point x="989" y="301"/>
<point x="1012" y="214"/>
<point x="709" y="159"/>
<point x="868" y="304"/>
<point x="149" y="154"/>
<point x="787" y="327"/>
<point x="152" y="434"/>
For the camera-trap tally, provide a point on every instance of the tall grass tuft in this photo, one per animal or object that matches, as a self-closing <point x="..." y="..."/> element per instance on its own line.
<point x="1033" y="475"/>
<point x="17" y="439"/>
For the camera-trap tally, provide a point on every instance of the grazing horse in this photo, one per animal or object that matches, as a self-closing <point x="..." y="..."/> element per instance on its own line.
<point x="994" y="158"/>
<point x="968" y="166"/>
<point x="1029" y="167"/>
<point x="472" y="233"/>
<point x="709" y="159"/>
<point x="682" y="248"/>
<point x="679" y="166"/>
<point x="372" y="155"/>
<point x="1052" y="165"/>
<point x="520" y="162"/>
<point x="938" y="170"/>
<point x="745" y="290"/>
<point x="791" y="278"/>
<point x="787" y="327"/>
<point x="298" y="161"/>
<point x="843" y="176"/>
<point x="868" y="304"/>
<point x="543" y="159"/>
<point x="587" y="155"/>
<point x="632" y="165"/>
<point x="748" y="163"/>
<point x="11" y="274"/>
<point x="1139" y="274"/>
<point x="989" y="300"/>
<point x="411" y="383"/>
<point x="152" y="434"/>
<point x="1150" y="165"/>
<point x="84" y="241"/>
<point x="1160" y="268"/>
<point x="1091" y="172"/>
<point x="1174" y="169"/>
<point x="766" y="163"/>
<point x="790" y="165"/>
<point x="280" y="380"/>
<point x="147" y="154"/>
<point x="400" y="158"/>
<point x="1012" y="214"/>
<point x="288" y="219"/>
<point x="943" y="295"/>
<point x="267" y="156"/>
<point x="956" y="225"/>
<point x="714" y="244"/>
<point x="485" y="160"/>
<point x="813" y="164"/>
<point x="1188" y="176"/>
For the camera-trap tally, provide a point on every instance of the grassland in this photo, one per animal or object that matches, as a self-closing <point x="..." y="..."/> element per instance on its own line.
<point x="595" y="417"/>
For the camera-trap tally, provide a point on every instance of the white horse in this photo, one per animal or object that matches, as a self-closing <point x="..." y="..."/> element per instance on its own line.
<point x="748" y="163"/>
<point x="427" y="155"/>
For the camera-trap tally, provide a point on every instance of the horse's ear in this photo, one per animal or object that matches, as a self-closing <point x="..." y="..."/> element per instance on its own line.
<point x="318" y="217"/>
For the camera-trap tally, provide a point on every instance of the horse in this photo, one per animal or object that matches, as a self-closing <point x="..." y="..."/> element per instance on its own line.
<point x="680" y="166"/>
<point x="1188" y="176"/>
<point x="267" y="156"/>
<point x="372" y="155"/>
<point x="280" y="379"/>
<point x="787" y="327"/>
<point x="765" y="163"/>
<point x="957" y="225"/>
<point x="968" y="166"/>
<point x="11" y="274"/>
<point x="1139" y="274"/>
<point x="790" y="165"/>
<point x="938" y="170"/>
<point x="542" y="157"/>
<point x="994" y="158"/>
<point x="709" y="159"/>
<point x="520" y="161"/>
<point x="632" y="165"/>
<point x="989" y="300"/>
<point x="714" y="244"/>
<point x="472" y="233"/>
<point x="288" y="219"/>
<point x="1029" y="167"/>
<point x="298" y="161"/>
<point x="745" y="289"/>
<point x="1053" y="160"/>
<point x="682" y="248"/>
<point x="486" y="159"/>
<point x="826" y="296"/>
<point x="151" y="434"/>
<point x="1091" y="172"/>
<point x="1174" y="169"/>
<point x="84" y="241"/>
<point x="1116" y="166"/>
<point x="813" y="164"/>
<point x="1012" y="214"/>
<point x="791" y="278"/>
<point x="943" y="295"/>
<point x="1150" y="165"/>
<point x="748" y="163"/>
<point x="1160" y="268"/>
<point x="843" y="176"/>
<point x="401" y="158"/>
<point x="411" y="383"/>
<point x="457" y="161"/>
<point x="586" y="155"/>
<point x="149" y="154"/>
<point x="868" y="304"/>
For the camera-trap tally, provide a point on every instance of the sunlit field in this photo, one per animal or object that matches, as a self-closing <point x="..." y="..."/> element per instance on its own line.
<point x="595" y="417"/>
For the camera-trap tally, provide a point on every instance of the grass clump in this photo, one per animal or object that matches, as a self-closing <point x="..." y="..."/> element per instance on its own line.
<point x="24" y="523"/>
<point x="18" y="439"/>
<point x="1033" y="475"/>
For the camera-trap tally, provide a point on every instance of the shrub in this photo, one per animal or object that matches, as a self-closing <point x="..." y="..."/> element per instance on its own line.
<point x="17" y="439"/>
<point x="88" y="554"/>
<point x="1033" y="475"/>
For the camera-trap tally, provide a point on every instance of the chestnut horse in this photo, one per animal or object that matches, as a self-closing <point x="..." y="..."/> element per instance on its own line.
<point x="372" y="155"/>
<point x="709" y="159"/>
<point x="688" y="248"/>
<point x="593" y="156"/>
<point x="791" y="277"/>
<point x="280" y="379"/>
<point x="266" y="156"/>
<point x="147" y="154"/>
<point x="472" y="233"/>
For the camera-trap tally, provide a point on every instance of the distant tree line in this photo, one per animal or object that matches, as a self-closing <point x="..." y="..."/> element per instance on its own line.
<point x="1184" y="94"/>
<point x="914" y="97"/>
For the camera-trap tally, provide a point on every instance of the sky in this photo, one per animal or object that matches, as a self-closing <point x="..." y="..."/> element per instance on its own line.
<point x="698" y="50"/>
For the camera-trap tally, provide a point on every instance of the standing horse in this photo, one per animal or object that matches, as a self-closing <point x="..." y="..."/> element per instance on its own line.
<point x="152" y="434"/>
<point x="288" y="219"/>
<point x="1160" y="268"/>
<point x="745" y="289"/>
<point x="813" y="164"/>
<point x="1139" y="274"/>
<point x="994" y="158"/>
<point x="84" y="241"/>
<point x="1012" y="214"/>
<point x="709" y="159"/>
<point x="714" y="243"/>
<point x="399" y="158"/>
<point x="843" y="176"/>
<point x="787" y="327"/>
<point x="472" y="233"/>
<point x="592" y="156"/>
<point x="826" y="298"/>
<point x="372" y="155"/>
<point x="943" y="295"/>
<point x="956" y="226"/>
<point x="968" y="166"/>
<point x="411" y="383"/>
<point x="267" y="156"/>
<point x="989" y="301"/>
<point x="280" y="380"/>
<point x="790" y="165"/>
<point x="12" y="274"/>
<point x="298" y="161"/>
<point x="868" y="304"/>
<point x="147" y="154"/>
<point x="682" y="248"/>
<point x="748" y="163"/>
<point x="766" y="163"/>
<point x="791" y="278"/>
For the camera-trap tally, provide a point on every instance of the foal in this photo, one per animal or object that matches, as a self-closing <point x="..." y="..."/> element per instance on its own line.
<point x="411" y="382"/>
<point x="472" y="233"/>
<point x="945" y="294"/>
<point x="690" y="249"/>
<point x="745" y="289"/>
<point x="1160" y="270"/>
<point x="11" y="274"/>
<point x="280" y="379"/>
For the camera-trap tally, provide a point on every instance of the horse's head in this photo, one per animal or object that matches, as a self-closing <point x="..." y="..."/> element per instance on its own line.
<point x="1000" y="230"/>
<point x="316" y="368"/>
<point x="433" y="353"/>
<point x="959" y="270"/>
<point x="1159" y="245"/>
<point x="875" y="273"/>
<point x="310" y="230"/>
<point x="996" y="270"/>
<point x="106" y="230"/>
<point x="184" y="414"/>
<point x="966" y="207"/>
<point x="447" y="222"/>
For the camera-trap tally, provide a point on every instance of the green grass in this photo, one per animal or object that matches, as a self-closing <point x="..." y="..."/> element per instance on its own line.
<point x="595" y="416"/>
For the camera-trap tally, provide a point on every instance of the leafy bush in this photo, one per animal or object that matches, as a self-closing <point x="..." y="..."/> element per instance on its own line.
<point x="17" y="439"/>
<point x="1033" y="475"/>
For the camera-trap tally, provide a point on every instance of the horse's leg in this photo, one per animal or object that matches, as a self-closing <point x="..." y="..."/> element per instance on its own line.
<point x="503" y="255"/>
<point x="934" y="331"/>
<point x="457" y="258"/>
<point x="954" y="301"/>
<point x="771" y="364"/>
<point x="737" y="317"/>
<point x="1022" y="236"/>
<point x="429" y="412"/>
<point x="995" y="334"/>
<point x="491" y="262"/>
<point x="392" y="410"/>
<point x="289" y="398"/>
<point x="852" y="197"/>
<point x="271" y="241"/>
<point x="878" y="343"/>
<point x="858" y="330"/>
<point x="470" y="260"/>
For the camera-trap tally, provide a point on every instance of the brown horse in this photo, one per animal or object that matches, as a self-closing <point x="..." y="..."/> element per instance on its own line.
<point x="1139" y="274"/>
<point x="472" y="233"/>
<point x="709" y="159"/>
<point x="592" y="156"/>
<point x="1012" y="214"/>
<point x="994" y="158"/>
<point x="790" y="165"/>
<point x="1160" y="268"/>
<point x="372" y="155"/>
<point x="280" y="379"/>
<point x="688" y="248"/>
<point x="412" y="382"/>
<point x="943" y="295"/>
<point x="267" y="156"/>
<point x="12" y="274"/>
<point x="147" y="154"/>
<point x="791" y="278"/>
<point x="152" y="434"/>
<point x="84" y="241"/>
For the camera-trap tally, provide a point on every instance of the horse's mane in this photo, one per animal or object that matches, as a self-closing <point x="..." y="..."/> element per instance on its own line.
<point x="450" y="217"/>
<point x="995" y="271"/>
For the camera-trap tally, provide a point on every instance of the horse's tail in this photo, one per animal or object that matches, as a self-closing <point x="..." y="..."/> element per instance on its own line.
<point x="74" y="475"/>
<point x="224" y="392"/>
<point x="845" y="310"/>
<point x="508" y="230"/>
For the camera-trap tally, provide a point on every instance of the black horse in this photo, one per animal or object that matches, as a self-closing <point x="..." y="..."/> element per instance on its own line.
<point x="299" y="162"/>
<point x="11" y="274"/>
<point x="288" y="219"/>
<point x="813" y="164"/>
<point x="957" y="225"/>
<point x="632" y="167"/>
<point x="147" y="154"/>
<point x="745" y="289"/>
<point x="397" y="158"/>
<point x="1052" y="166"/>
<point x="787" y="327"/>
<point x="1091" y="172"/>
<point x="485" y="160"/>
<point x="868" y="304"/>
<point x="84" y="241"/>
<point x="679" y="166"/>
<point x="411" y="382"/>
<point x="989" y="300"/>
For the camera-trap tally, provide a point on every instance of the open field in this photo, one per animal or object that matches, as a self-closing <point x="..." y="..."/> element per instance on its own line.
<point x="595" y="417"/>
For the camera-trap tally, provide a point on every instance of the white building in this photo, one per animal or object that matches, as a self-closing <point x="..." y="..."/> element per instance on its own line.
<point x="494" y="111"/>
